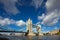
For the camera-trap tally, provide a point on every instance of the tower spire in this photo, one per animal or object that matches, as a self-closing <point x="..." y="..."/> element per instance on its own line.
<point x="29" y="19"/>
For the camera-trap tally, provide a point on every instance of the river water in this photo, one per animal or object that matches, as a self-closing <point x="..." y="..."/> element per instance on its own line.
<point x="56" y="37"/>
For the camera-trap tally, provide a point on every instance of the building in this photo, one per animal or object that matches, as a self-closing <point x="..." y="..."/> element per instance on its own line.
<point x="53" y="32"/>
<point x="29" y="27"/>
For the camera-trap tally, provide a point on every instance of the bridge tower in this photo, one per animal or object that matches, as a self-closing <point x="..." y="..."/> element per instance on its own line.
<point x="39" y="31"/>
<point x="29" y="27"/>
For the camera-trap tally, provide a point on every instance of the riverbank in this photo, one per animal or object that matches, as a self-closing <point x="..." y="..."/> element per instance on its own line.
<point x="54" y="37"/>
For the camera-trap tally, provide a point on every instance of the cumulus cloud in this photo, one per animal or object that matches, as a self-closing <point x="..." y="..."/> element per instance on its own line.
<point x="20" y="23"/>
<point x="36" y="3"/>
<point x="52" y="5"/>
<point x="52" y="18"/>
<point x="41" y="17"/>
<point x="9" y="6"/>
<point x="53" y="12"/>
<point x="7" y="21"/>
<point x="38" y="24"/>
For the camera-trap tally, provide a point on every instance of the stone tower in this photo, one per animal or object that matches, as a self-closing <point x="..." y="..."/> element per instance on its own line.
<point x="39" y="30"/>
<point x="29" y="27"/>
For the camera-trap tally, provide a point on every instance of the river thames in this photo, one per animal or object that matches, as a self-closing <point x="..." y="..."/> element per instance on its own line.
<point x="55" y="37"/>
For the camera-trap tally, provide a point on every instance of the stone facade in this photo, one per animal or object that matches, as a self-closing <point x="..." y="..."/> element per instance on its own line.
<point x="53" y="32"/>
<point x="29" y="27"/>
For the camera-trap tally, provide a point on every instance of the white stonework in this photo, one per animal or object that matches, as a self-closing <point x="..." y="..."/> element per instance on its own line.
<point x="29" y="27"/>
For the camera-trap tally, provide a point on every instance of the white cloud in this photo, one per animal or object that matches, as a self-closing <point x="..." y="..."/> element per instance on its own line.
<point x="36" y="3"/>
<point x="45" y="31"/>
<point x="9" y="6"/>
<point x="38" y="24"/>
<point x="7" y="21"/>
<point x="53" y="14"/>
<point x="52" y="18"/>
<point x="52" y="5"/>
<point x="4" y="21"/>
<point x="41" y="17"/>
<point x="42" y="29"/>
<point x="12" y="21"/>
<point x="20" y="23"/>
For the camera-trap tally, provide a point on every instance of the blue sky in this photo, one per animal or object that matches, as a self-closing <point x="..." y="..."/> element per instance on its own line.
<point x="15" y="13"/>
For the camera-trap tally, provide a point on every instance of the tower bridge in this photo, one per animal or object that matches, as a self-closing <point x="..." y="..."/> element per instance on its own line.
<point x="29" y="29"/>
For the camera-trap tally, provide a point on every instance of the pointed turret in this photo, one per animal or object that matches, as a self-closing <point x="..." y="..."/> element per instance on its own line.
<point x="29" y="21"/>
